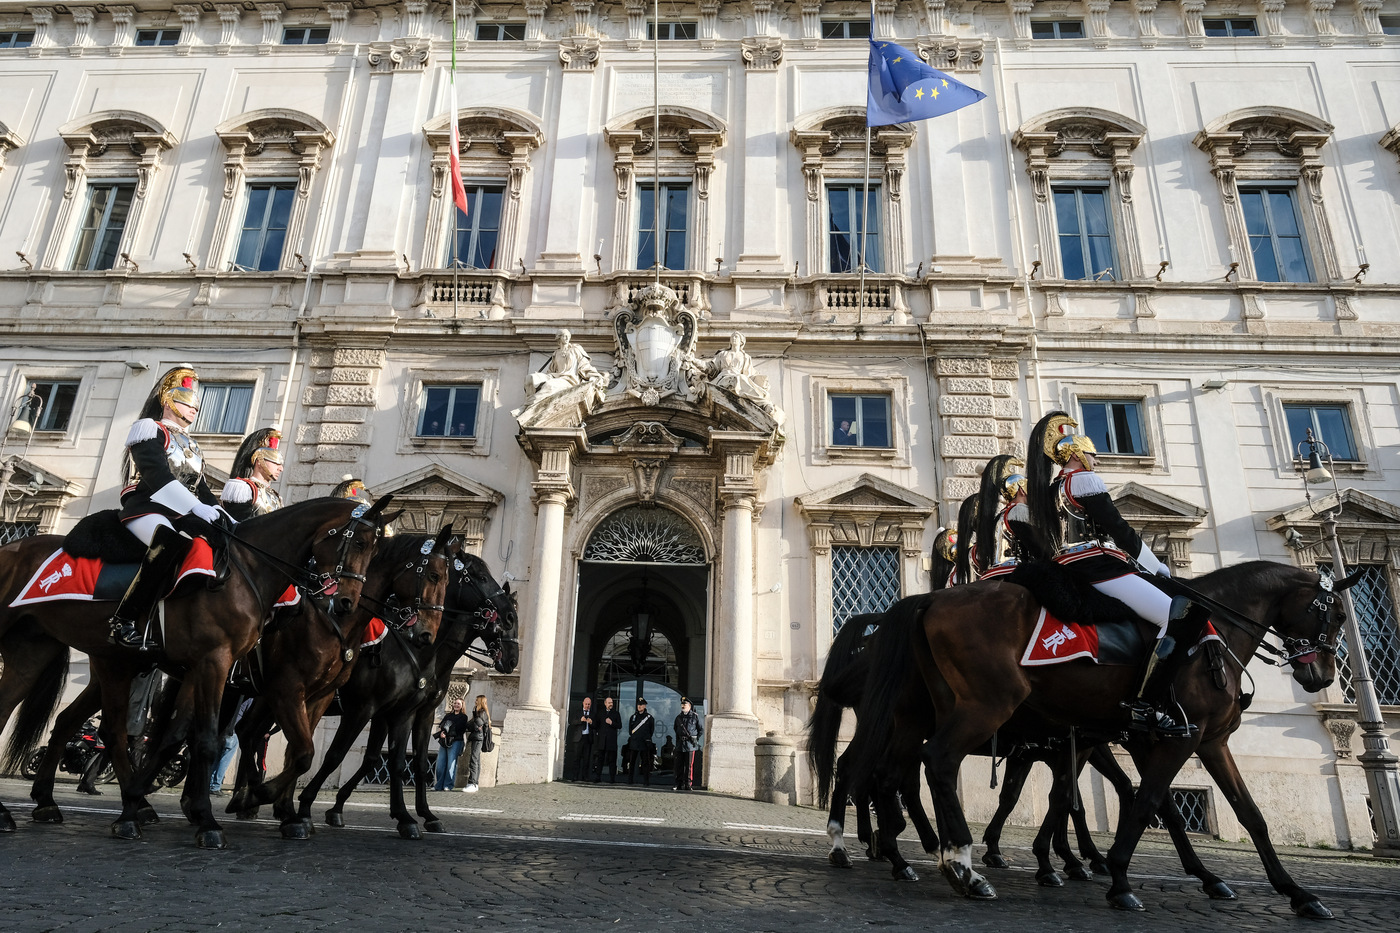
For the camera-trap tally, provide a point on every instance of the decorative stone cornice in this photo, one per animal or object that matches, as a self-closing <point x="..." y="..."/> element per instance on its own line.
<point x="579" y="53"/>
<point x="761" y="53"/>
<point x="189" y="14"/>
<point x="399" y="55"/>
<point x="271" y="14"/>
<point x="122" y="18"/>
<point x="1147" y="22"/>
<point x="229" y="16"/>
<point x="83" y="17"/>
<point x="949" y="53"/>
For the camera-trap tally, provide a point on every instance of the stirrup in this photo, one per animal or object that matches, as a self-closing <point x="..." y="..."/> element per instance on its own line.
<point x="125" y="634"/>
<point x="1144" y="717"/>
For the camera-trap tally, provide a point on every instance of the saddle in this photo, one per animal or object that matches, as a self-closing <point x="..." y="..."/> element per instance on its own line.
<point x="102" y="536"/>
<point x="1077" y="621"/>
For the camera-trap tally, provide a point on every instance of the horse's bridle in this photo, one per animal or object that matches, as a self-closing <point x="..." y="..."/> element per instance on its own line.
<point x="326" y="584"/>
<point x="1323" y="602"/>
<point x="486" y="613"/>
<point x="400" y="616"/>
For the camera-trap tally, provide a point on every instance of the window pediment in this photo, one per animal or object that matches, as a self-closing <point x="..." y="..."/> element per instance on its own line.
<point x="435" y="495"/>
<point x="866" y="510"/>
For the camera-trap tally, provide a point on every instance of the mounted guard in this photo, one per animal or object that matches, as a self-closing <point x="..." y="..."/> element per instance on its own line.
<point x="256" y="466"/>
<point x="1075" y="512"/>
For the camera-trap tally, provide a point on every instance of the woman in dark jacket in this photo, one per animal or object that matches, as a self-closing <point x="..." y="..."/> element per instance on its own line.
<point x="477" y="730"/>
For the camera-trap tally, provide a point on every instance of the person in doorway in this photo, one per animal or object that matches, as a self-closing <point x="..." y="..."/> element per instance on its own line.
<point x="668" y="755"/>
<point x="640" y="749"/>
<point x="477" y="730"/>
<point x="451" y="735"/>
<point x="585" y="741"/>
<point x="609" y="724"/>
<point x="689" y="732"/>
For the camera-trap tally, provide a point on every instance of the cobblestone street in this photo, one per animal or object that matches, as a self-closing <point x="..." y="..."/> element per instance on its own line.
<point x="584" y="857"/>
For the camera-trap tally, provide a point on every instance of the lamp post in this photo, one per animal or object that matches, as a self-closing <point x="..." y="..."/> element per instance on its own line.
<point x="24" y="415"/>
<point x="1379" y="763"/>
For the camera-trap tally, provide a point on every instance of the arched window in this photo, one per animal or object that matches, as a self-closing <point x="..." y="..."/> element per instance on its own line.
<point x="270" y="161"/>
<point x="113" y="156"/>
<point x="1081" y="169"/>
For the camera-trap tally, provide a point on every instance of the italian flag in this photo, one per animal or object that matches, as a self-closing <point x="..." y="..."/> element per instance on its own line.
<point x="459" y="191"/>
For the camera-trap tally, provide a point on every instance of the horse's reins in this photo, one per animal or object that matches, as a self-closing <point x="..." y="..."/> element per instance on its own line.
<point x="485" y="612"/>
<point x="1293" y="648"/>
<point x="389" y="607"/>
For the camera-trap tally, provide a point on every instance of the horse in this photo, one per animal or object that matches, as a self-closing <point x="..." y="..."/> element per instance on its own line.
<point x="205" y="627"/>
<point x="401" y="694"/>
<point x="965" y="644"/>
<point x="306" y="655"/>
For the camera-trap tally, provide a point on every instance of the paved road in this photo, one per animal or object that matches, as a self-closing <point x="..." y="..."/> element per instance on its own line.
<point x="579" y="857"/>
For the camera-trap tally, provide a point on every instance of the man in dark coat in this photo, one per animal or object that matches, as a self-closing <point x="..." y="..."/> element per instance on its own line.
<point x="640" y="749"/>
<point x="586" y="732"/>
<point x="609" y="722"/>
<point x="689" y="732"/>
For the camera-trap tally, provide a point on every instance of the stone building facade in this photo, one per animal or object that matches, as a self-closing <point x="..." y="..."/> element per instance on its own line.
<point x="1178" y="220"/>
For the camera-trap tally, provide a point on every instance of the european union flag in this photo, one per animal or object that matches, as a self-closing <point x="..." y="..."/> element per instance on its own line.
<point x="903" y="88"/>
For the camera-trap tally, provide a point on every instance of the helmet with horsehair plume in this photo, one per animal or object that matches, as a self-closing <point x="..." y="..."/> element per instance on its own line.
<point x="262" y="444"/>
<point x="967" y="538"/>
<point x="352" y="488"/>
<point x="991" y="492"/>
<point x="1051" y="442"/>
<point x="945" y="544"/>
<point x="1060" y="442"/>
<point x="179" y="385"/>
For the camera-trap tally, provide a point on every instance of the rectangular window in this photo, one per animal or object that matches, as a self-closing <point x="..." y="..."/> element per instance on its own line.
<point x="223" y="407"/>
<point x="1390" y="25"/>
<point x="306" y="35"/>
<point x="1233" y="28"/>
<point x="99" y="239"/>
<point x="845" y="29"/>
<point x="1375" y="617"/>
<point x="16" y="40"/>
<point x="1114" y="426"/>
<point x="449" y="411"/>
<point x="671" y="31"/>
<point x="675" y="213"/>
<point x="1058" y="29"/>
<point x="478" y="229"/>
<point x="863" y="579"/>
<point x="1086" y="239"/>
<point x="860" y="421"/>
<point x="148" y="37"/>
<point x="265" y="227"/>
<point x="56" y="405"/>
<point x="846" y="220"/>
<point x="1330" y="424"/>
<point x="500" y="32"/>
<point x="1275" y="234"/>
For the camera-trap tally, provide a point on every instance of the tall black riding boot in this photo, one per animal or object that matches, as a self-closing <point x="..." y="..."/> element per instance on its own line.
<point x="168" y="548"/>
<point x="1153" y="709"/>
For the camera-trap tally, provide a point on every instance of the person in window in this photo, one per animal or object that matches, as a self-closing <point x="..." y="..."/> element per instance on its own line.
<point x="1075" y="514"/>
<point x="845" y="435"/>
<point x="256" y="466"/>
<point x="461" y="429"/>
<point x="164" y="483"/>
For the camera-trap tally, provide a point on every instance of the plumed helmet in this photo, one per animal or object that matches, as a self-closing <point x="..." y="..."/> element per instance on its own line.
<point x="1060" y="442"/>
<point x="946" y="543"/>
<point x="180" y="384"/>
<point x="1012" y="479"/>
<point x="351" y="488"/>
<point x="262" y="444"/>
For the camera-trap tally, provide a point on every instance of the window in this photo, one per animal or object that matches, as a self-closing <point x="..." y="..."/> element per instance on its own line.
<point x="223" y="407"/>
<point x="845" y="223"/>
<point x="56" y="411"/>
<point x="1058" y="29"/>
<point x="449" y="411"/>
<point x="1375" y="617"/>
<point x="306" y="35"/>
<point x="109" y="204"/>
<point x="500" y="32"/>
<point x="1114" y="426"/>
<point x="1390" y="25"/>
<point x="10" y="532"/>
<point x="147" y="37"/>
<point x="1234" y="28"/>
<point x="1086" y="243"/>
<point x="1194" y="806"/>
<point x="265" y="227"/>
<point x="671" y="30"/>
<point x="16" y="40"/>
<point x="675" y="198"/>
<point x="860" y="421"/>
<point x="478" y="229"/>
<point x="863" y="579"/>
<point x="1330" y="424"/>
<point x="845" y="29"/>
<point x="1275" y="234"/>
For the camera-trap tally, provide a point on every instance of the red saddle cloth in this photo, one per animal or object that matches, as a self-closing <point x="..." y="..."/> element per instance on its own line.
<point x="375" y="632"/>
<point x="64" y="576"/>
<point x="1054" y="642"/>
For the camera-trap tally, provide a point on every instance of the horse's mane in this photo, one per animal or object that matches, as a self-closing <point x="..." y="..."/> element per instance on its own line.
<point x="1249" y="575"/>
<point x="475" y="562"/>
<point x="287" y="512"/>
<point x="400" y="547"/>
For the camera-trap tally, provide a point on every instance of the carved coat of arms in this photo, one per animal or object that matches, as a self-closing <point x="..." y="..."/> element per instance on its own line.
<point x="656" y="348"/>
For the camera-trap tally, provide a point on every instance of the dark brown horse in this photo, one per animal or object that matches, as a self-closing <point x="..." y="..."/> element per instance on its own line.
<point x="205" y="628"/>
<point x="965" y="644"/>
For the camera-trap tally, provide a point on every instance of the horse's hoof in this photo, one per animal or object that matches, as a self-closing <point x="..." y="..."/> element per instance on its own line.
<point x="1049" y="879"/>
<point x="1220" y="891"/>
<point x="295" y="829"/>
<point x="1099" y="867"/>
<point x="7" y="822"/>
<point x="1125" y="901"/>
<point x="1312" y="910"/>
<point x="309" y="823"/>
<point x="1079" y="873"/>
<point x="995" y="860"/>
<point x="147" y="815"/>
<point x="410" y="831"/>
<point x="981" y="890"/>
<point x="211" y="839"/>
<point x="46" y="814"/>
<point x="967" y="882"/>
<point x="906" y="873"/>
<point x="434" y="826"/>
<point x="334" y="818"/>
<point x="126" y="829"/>
<point x="839" y="858"/>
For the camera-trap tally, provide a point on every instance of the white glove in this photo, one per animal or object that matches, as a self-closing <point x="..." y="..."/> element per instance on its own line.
<point x="1149" y="562"/>
<point x="210" y="513"/>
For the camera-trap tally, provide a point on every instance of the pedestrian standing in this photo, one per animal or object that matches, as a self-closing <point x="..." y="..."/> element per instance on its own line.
<point x="586" y="733"/>
<point x="689" y="731"/>
<point x="451" y="733"/>
<point x="610" y="723"/>
<point x="640" y="750"/>
<point x="477" y="730"/>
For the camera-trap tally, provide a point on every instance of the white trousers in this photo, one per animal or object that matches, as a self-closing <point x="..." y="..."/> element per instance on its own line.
<point x="144" y="526"/>
<point x="1141" y="597"/>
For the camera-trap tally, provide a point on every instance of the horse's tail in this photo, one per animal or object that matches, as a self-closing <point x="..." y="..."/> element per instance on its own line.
<point x="889" y="662"/>
<point x="35" y="711"/>
<point x="842" y="681"/>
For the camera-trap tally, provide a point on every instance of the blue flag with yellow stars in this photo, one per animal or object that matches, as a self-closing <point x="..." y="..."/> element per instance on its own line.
<point x="903" y="88"/>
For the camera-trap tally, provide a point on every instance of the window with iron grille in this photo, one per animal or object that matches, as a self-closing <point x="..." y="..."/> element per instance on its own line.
<point x="1194" y="806"/>
<point x="863" y="579"/>
<point x="1375" y="617"/>
<point x="223" y="407"/>
<point x="11" y="532"/>
<point x="380" y="773"/>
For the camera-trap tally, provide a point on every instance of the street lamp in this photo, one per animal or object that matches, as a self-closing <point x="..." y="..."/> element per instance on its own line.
<point x="24" y="415"/>
<point x="1377" y="760"/>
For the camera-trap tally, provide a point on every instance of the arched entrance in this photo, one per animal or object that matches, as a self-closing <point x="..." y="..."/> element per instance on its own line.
<point x="640" y="622"/>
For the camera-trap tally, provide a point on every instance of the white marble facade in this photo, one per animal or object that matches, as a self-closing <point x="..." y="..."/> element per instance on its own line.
<point x="969" y="329"/>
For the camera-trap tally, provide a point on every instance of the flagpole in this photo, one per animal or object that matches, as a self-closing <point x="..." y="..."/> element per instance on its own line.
<point x="656" y="137"/>
<point x="865" y="196"/>
<point x="452" y="80"/>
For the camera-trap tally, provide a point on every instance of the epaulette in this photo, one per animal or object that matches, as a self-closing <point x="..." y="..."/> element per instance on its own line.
<point x="237" y="490"/>
<point x="144" y="430"/>
<point x="1086" y="483"/>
